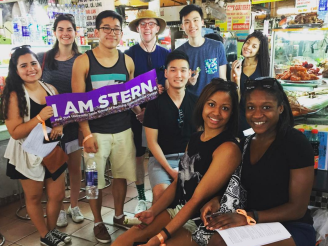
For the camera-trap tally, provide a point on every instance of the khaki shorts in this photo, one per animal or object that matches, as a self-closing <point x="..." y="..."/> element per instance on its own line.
<point x="120" y="150"/>
<point x="190" y="225"/>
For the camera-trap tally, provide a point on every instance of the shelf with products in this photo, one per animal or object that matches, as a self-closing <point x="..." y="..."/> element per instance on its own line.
<point x="298" y="60"/>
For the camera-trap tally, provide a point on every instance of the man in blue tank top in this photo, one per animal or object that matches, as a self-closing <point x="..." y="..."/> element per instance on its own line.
<point x="109" y="137"/>
<point x="206" y="54"/>
<point x="146" y="56"/>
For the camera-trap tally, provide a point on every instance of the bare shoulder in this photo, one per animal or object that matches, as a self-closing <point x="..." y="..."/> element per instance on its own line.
<point x="82" y="60"/>
<point x="227" y="148"/>
<point x="52" y="88"/>
<point x="128" y="60"/>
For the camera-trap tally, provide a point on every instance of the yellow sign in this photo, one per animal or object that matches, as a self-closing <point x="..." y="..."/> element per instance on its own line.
<point x="265" y="1"/>
<point x="238" y="17"/>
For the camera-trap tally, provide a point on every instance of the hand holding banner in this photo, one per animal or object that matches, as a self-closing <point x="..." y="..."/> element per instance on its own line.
<point x="111" y="99"/>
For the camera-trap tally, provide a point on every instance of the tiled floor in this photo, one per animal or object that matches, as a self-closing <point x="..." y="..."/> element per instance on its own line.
<point x="22" y="232"/>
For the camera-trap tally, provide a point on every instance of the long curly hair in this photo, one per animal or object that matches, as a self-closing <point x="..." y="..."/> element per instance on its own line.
<point x="15" y="83"/>
<point x="51" y="63"/>
<point x="263" y="55"/>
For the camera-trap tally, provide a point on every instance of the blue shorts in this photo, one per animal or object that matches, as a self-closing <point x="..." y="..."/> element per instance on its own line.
<point x="157" y="174"/>
<point x="302" y="233"/>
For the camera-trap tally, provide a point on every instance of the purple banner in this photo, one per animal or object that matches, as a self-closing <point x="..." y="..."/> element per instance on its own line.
<point x="110" y="99"/>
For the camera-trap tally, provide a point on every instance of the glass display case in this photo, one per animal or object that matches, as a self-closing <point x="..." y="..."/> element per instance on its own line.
<point x="299" y="59"/>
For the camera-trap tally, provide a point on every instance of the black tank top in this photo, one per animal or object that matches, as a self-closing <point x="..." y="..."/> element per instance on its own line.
<point x="195" y="164"/>
<point x="99" y="76"/>
<point x="36" y="108"/>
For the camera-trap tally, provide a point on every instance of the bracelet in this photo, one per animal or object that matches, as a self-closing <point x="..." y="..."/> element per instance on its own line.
<point x="250" y="220"/>
<point x="44" y="129"/>
<point x="39" y="118"/>
<point x="168" y="235"/>
<point x="161" y="239"/>
<point x="86" y="138"/>
<point x="256" y="215"/>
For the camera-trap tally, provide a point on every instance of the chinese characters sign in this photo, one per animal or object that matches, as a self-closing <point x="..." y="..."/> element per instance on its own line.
<point x="238" y="17"/>
<point x="93" y="8"/>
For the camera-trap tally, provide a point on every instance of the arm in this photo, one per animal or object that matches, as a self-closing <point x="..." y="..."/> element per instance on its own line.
<point x="300" y="187"/>
<point x="226" y="159"/>
<point x="79" y="73"/>
<point x="223" y="72"/>
<point x="235" y="75"/>
<point x="130" y="67"/>
<point x="57" y="130"/>
<point x="17" y="128"/>
<point x="164" y="201"/>
<point x="152" y="136"/>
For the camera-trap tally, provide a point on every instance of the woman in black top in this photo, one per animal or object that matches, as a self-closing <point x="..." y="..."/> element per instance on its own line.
<point x="277" y="167"/>
<point x="23" y="106"/>
<point x="209" y="161"/>
<point x="256" y="64"/>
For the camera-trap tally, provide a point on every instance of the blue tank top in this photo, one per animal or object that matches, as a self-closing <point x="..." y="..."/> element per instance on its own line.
<point x="99" y="76"/>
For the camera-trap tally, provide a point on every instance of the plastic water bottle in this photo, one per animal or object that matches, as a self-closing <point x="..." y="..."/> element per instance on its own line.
<point x="17" y="28"/>
<point x="315" y="142"/>
<point x="50" y="40"/>
<point x="50" y="12"/>
<point x="84" y="17"/>
<point x="91" y="174"/>
<point x="25" y="30"/>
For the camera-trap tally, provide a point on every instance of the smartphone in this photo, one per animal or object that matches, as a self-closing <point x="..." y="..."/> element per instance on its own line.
<point x="51" y="140"/>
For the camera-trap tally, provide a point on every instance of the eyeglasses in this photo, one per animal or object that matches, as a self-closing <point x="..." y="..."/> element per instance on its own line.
<point x="150" y="24"/>
<point x="180" y="119"/>
<point x="25" y="46"/>
<point x="108" y="30"/>
<point x="265" y="82"/>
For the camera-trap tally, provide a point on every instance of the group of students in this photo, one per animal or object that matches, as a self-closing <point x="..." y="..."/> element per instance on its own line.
<point x="193" y="130"/>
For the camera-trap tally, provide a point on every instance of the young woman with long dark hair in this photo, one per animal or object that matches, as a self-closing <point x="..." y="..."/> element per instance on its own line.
<point x="256" y="63"/>
<point x="57" y="71"/>
<point x="23" y="106"/>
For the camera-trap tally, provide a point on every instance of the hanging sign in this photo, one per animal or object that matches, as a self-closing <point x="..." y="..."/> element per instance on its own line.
<point x="238" y="17"/>
<point x="92" y="9"/>
<point x="265" y="1"/>
<point x="303" y="6"/>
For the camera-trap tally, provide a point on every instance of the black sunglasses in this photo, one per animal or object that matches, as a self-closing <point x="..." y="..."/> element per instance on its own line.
<point x="25" y="46"/>
<point x="180" y="119"/>
<point x="265" y="82"/>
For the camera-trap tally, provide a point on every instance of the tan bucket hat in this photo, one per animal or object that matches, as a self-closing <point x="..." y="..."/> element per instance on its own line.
<point x="147" y="14"/>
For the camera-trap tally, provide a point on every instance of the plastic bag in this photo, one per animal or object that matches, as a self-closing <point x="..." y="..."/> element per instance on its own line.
<point x="320" y="224"/>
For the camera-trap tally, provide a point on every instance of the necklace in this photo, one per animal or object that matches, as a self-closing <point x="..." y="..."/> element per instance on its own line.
<point x="146" y="46"/>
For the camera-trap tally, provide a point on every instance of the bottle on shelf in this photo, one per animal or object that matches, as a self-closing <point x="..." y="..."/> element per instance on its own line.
<point x="91" y="174"/>
<point x="315" y="142"/>
<point x="17" y="30"/>
<point x="25" y="30"/>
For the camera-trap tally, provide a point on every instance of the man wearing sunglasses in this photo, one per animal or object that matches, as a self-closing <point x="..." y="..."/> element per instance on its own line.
<point x="146" y="56"/>
<point x="109" y="137"/>
<point x="168" y="124"/>
<point x="206" y="54"/>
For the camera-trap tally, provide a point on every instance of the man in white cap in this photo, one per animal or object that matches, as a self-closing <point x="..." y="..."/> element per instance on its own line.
<point x="146" y="56"/>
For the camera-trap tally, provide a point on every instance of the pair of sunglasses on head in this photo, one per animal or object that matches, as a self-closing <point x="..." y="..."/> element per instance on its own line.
<point x="265" y="82"/>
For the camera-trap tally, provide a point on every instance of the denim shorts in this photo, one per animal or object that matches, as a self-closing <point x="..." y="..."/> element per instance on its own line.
<point x="157" y="174"/>
<point x="302" y="233"/>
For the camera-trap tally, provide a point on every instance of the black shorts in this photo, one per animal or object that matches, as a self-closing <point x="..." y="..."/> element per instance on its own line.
<point x="136" y="127"/>
<point x="70" y="132"/>
<point x="14" y="174"/>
